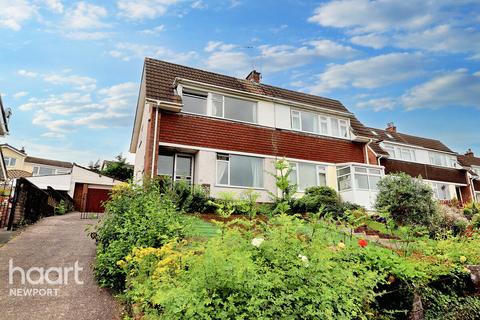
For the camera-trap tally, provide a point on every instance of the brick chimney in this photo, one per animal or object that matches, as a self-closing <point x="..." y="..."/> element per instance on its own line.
<point x="254" y="76"/>
<point x="391" y="127"/>
<point x="469" y="153"/>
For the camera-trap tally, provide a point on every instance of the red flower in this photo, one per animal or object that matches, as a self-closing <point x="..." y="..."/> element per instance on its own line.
<point x="362" y="243"/>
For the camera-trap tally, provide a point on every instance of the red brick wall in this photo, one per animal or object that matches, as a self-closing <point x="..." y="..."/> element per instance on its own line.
<point x="372" y="158"/>
<point x="227" y="135"/>
<point x="150" y="148"/>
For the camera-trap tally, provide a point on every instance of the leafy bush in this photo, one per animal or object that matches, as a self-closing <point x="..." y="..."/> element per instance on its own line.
<point x="136" y="216"/>
<point x="409" y="201"/>
<point x="187" y="198"/>
<point x="476" y="221"/>
<point x="278" y="275"/>
<point x="471" y="209"/>
<point x="316" y="198"/>
<point x="61" y="208"/>
<point x="447" y="219"/>
<point x="283" y="203"/>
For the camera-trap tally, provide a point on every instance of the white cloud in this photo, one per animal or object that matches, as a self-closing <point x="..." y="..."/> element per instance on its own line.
<point x="14" y="13"/>
<point x="378" y="104"/>
<point x="442" y="38"/>
<point x="20" y="94"/>
<point x="79" y="82"/>
<point x="54" y="5"/>
<point x="371" y="40"/>
<point x="26" y="73"/>
<point x="127" y="51"/>
<point x="64" y="113"/>
<point x="85" y="16"/>
<point x="376" y="15"/>
<point x="369" y="73"/>
<point x="86" y="35"/>
<point x="198" y="4"/>
<point x="228" y="57"/>
<point x="154" y="30"/>
<point x="455" y="89"/>
<point x="144" y="9"/>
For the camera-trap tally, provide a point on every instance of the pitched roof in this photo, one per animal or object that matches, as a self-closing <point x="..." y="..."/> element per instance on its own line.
<point x="466" y="160"/>
<point x="48" y="162"/>
<point x="160" y="76"/>
<point x="410" y="140"/>
<point x="14" y="173"/>
<point x="6" y="145"/>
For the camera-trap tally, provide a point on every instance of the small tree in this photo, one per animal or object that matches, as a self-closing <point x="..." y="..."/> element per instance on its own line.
<point x="119" y="169"/>
<point x="409" y="201"/>
<point x="283" y="203"/>
<point x="94" y="166"/>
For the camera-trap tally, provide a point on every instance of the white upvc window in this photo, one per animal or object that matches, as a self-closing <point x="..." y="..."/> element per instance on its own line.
<point x="400" y="153"/>
<point x="320" y="124"/>
<point x="476" y="170"/>
<point x="364" y="178"/>
<point x="217" y="105"/>
<point x="440" y="159"/>
<point x="239" y="171"/>
<point x="10" y="162"/>
<point x="441" y="191"/>
<point x="306" y="175"/>
<point x="48" y="171"/>
<point x="233" y="108"/>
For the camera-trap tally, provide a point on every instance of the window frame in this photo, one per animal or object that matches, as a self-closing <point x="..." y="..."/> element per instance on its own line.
<point x="330" y="122"/>
<point x="174" y="156"/>
<point x="355" y="170"/>
<point x="229" y="185"/>
<point x="197" y="95"/>
<point x="9" y="163"/>
<point x="319" y="168"/>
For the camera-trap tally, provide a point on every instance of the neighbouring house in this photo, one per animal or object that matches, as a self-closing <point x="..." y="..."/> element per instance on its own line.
<point x="88" y="189"/>
<point x="472" y="164"/>
<point x="4" y="116"/>
<point x="226" y="133"/>
<point x="421" y="157"/>
<point x="20" y="164"/>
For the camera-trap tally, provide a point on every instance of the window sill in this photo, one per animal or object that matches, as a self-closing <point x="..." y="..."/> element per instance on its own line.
<point x="239" y="187"/>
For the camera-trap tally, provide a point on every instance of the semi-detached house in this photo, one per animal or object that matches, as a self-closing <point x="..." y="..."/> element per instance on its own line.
<point x="226" y="133"/>
<point x="429" y="159"/>
<point x="472" y="163"/>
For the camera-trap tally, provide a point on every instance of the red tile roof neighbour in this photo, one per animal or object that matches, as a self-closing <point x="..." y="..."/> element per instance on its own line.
<point x="48" y="162"/>
<point x="469" y="160"/>
<point x="410" y="140"/>
<point x="160" y="76"/>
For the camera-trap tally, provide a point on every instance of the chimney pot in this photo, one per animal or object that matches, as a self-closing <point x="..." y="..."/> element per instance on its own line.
<point x="391" y="127"/>
<point x="254" y="76"/>
<point x="469" y="153"/>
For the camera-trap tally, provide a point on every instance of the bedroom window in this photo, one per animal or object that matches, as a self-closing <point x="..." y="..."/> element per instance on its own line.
<point x="195" y="102"/>
<point x="314" y="123"/>
<point x="234" y="109"/>
<point x="10" y="162"/>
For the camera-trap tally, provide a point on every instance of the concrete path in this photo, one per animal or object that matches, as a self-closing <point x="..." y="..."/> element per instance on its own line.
<point x="60" y="243"/>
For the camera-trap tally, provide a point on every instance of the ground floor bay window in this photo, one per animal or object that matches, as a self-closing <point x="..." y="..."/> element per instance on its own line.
<point x="239" y="171"/>
<point x="358" y="184"/>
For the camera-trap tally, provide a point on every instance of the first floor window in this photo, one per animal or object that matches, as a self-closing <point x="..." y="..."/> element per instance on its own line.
<point x="195" y="103"/>
<point x="10" y="162"/>
<point x="306" y="175"/>
<point x="234" y="109"/>
<point x="43" y="171"/>
<point x="240" y="171"/>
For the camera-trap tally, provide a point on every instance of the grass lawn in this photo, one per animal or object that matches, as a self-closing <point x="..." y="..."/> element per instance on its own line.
<point x="202" y="228"/>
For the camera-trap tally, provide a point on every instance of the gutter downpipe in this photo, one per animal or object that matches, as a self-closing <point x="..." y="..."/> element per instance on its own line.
<point x="366" y="150"/>
<point x="154" y="141"/>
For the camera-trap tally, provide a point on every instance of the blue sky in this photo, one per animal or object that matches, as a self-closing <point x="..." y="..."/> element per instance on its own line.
<point x="70" y="70"/>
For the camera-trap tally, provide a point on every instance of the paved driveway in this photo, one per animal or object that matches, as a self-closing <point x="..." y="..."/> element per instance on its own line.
<point x="59" y="243"/>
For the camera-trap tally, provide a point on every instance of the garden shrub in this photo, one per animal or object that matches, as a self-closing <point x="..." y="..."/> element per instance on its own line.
<point x="316" y="198"/>
<point x="136" y="216"/>
<point x="447" y="219"/>
<point x="476" y="221"/>
<point x="471" y="209"/>
<point x="187" y="198"/>
<point x="409" y="201"/>
<point x="277" y="275"/>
